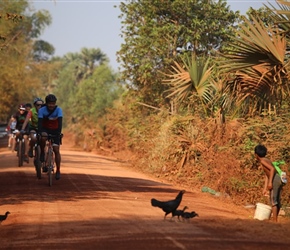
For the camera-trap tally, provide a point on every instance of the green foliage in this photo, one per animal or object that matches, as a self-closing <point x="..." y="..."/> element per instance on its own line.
<point x="96" y="94"/>
<point x="154" y="32"/>
<point x="42" y="50"/>
<point x="188" y="148"/>
<point x="191" y="81"/>
<point x="257" y="63"/>
<point x="85" y="85"/>
<point x="19" y="80"/>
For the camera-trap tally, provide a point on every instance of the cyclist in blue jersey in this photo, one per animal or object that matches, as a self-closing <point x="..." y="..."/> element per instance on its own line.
<point x="50" y="122"/>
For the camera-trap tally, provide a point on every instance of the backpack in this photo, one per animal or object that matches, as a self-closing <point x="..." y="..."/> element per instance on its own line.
<point x="281" y="173"/>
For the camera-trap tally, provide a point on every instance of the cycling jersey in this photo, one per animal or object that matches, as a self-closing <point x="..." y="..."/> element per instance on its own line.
<point x="20" y="118"/>
<point x="13" y="125"/>
<point x="33" y="116"/>
<point x="50" y="120"/>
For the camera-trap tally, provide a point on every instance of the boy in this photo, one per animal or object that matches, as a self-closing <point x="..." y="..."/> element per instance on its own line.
<point x="273" y="184"/>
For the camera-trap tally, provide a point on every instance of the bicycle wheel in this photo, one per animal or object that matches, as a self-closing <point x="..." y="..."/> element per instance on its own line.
<point x="20" y="153"/>
<point x="49" y="166"/>
<point x="37" y="162"/>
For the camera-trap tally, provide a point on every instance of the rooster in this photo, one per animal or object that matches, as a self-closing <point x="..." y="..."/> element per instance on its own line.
<point x="168" y="206"/>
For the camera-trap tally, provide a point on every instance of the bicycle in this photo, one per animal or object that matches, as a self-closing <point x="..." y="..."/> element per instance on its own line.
<point x="20" y="144"/>
<point x="37" y="163"/>
<point x="49" y="156"/>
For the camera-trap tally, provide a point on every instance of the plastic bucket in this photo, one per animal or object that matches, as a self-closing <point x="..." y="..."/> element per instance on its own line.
<point x="262" y="212"/>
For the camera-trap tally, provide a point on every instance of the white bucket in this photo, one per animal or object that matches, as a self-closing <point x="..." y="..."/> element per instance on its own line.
<point x="262" y="212"/>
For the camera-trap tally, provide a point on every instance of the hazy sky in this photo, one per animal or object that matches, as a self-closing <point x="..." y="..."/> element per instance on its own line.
<point x="95" y="24"/>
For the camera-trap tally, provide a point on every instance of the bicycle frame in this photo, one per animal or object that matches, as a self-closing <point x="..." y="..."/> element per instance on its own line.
<point x="21" y="149"/>
<point x="49" y="158"/>
<point x="37" y="162"/>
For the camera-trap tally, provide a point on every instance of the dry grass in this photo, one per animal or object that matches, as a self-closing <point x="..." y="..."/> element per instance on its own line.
<point x="194" y="152"/>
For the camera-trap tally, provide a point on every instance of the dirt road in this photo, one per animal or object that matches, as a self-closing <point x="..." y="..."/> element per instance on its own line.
<point x="100" y="204"/>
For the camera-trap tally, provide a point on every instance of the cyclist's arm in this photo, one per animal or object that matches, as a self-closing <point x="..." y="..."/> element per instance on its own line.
<point x="28" y="116"/>
<point x="59" y="125"/>
<point x="39" y="125"/>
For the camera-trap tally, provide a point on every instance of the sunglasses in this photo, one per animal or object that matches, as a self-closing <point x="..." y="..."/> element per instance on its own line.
<point x="38" y="104"/>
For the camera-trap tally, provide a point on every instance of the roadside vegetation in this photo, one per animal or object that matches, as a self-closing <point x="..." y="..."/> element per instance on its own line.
<point x="200" y="87"/>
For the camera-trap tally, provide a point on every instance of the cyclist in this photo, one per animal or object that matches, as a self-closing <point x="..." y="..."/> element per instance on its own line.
<point x="28" y="106"/>
<point x="50" y="122"/>
<point x="32" y="120"/>
<point x="20" y="117"/>
<point x="10" y="129"/>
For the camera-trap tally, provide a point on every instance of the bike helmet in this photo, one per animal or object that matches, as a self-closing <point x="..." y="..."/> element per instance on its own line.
<point x="28" y="105"/>
<point x="37" y="99"/>
<point x="50" y="98"/>
<point x="21" y="107"/>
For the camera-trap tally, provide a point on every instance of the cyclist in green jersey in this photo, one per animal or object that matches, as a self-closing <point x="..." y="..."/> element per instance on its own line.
<point x="32" y="120"/>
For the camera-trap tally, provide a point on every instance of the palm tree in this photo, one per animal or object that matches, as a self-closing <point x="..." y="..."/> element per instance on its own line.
<point x="257" y="65"/>
<point x="90" y="57"/>
<point x="85" y="62"/>
<point x="190" y="80"/>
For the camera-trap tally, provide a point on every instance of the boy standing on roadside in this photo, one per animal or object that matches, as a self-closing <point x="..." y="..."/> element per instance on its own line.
<point x="273" y="184"/>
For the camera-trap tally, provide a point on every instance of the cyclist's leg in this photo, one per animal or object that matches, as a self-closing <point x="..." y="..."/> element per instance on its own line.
<point x="57" y="157"/>
<point x="26" y="141"/>
<point x="56" y="150"/>
<point x="42" y="145"/>
<point x="26" y="148"/>
<point x="32" y="142"/>
<point x="17" y="135"/>
<point x="10" y="139"/>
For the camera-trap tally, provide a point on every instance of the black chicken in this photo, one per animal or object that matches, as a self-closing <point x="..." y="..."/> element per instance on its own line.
<point x="168" y="206"/>
<point x="188" y="215"/>
<point x="179" y="212"/>
<point x="3" y="217"/>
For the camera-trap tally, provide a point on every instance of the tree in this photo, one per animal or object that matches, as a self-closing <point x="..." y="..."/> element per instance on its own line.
<point x="76" y="68"/>
<point x="18" y="82"/>
<point x="95" y="94"/>
<point x="42" y="50"/>
<point x="257" y="66"/>
<point x="155" y="32"/>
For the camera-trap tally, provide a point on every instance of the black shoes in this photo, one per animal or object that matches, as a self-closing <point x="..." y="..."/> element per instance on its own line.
<point x="57" y="175"/>
<point x="26" y="159"/>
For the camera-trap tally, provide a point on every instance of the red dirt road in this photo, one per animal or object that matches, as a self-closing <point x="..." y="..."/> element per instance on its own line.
<point x="100" y="204"/>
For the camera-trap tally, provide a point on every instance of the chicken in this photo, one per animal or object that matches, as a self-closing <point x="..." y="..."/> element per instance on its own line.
<point x="3" y="217"/>
<point x="179" y="213"/>
<point x="188" y="215"/>
<point x="168" y="206"/>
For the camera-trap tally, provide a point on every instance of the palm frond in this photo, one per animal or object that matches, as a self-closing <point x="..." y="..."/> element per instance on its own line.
<point x="191" y="78"/>
<point x="257" y="63"/>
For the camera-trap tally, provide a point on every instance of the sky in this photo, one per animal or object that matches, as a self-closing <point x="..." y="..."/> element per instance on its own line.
<point x="78" y="24"/>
